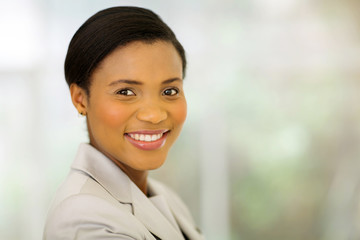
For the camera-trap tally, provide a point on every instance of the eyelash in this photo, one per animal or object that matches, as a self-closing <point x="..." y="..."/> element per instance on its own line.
<point x="126" y="90"/>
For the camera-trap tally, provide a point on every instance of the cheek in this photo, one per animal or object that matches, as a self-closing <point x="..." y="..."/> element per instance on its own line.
<point x="112" y="115"/>
<point x="179" y="112"/>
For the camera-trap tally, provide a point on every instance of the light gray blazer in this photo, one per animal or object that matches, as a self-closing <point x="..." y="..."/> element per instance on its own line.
<point x="98" y="201"/>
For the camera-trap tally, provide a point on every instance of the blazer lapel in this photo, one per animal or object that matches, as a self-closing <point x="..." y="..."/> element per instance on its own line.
<point x="184" y="221"/>
<point x="189" y="230"/>
<point x="151" y="217"/>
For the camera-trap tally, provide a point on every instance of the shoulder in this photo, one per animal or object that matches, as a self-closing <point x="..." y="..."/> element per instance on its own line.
<point x="85" y="210"/>
<point x="77" y="183"/>
<point x="85" y="216"/>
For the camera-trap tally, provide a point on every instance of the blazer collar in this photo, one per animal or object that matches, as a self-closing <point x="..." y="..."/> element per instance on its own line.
<point x="104" y="171"/>
<point x="119" y="185"/>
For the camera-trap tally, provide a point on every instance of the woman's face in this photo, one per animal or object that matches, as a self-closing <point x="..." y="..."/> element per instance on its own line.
<point x="136" y="106"/>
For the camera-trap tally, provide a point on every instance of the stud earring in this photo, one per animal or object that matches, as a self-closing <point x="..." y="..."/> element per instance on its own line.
<point x="81" y="113"/>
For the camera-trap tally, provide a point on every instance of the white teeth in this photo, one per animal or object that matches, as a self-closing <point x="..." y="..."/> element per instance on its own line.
<point x="146" y="137"/>
<point x="142" y="137"/>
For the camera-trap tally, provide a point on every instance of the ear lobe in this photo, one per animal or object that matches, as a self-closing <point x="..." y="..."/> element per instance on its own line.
<point x="79" y="98"/>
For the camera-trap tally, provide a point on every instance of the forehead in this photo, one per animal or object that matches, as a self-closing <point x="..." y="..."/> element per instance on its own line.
<point x="140" y="61"/>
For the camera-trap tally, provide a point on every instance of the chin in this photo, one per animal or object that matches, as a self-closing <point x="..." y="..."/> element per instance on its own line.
<point x="155" y="165"/>
<point x="150" y="163"/>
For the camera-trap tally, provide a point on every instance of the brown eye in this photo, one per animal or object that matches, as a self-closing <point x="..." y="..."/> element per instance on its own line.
<point x="170" y="92"/>
<point x="125" y="92"/>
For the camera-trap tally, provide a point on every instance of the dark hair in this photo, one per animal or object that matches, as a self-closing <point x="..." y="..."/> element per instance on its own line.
<point x="108" y="29"/>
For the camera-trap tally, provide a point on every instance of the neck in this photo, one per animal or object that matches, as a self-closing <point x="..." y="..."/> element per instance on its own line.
<point x="139" y="177"/>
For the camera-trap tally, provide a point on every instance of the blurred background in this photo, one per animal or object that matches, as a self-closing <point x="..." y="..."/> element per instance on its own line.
<point x="270" y="149"/>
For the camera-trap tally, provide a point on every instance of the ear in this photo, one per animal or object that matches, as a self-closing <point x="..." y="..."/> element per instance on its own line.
<point x="79" y="98"/>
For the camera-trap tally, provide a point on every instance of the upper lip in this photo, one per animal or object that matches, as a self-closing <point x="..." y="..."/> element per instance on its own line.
<point x="148" y="131"/>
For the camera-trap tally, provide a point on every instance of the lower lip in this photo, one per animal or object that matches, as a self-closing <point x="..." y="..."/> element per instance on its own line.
<point x="148" y="145"/>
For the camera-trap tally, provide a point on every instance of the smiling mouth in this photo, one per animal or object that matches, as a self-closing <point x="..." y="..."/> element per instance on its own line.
<point x="147" y="140"/>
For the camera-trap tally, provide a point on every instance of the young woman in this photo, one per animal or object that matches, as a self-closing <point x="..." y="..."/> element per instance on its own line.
<point x="125" y="70"/>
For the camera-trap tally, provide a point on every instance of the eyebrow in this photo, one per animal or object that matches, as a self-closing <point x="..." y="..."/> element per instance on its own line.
<point x="134" y="82"/>
<point x="171" y="80"/>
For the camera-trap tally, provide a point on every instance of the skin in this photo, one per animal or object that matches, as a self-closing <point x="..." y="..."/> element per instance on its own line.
<point x="151" y="98"/>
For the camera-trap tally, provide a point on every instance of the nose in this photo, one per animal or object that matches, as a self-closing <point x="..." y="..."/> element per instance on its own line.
<point x="152" y="114"/>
